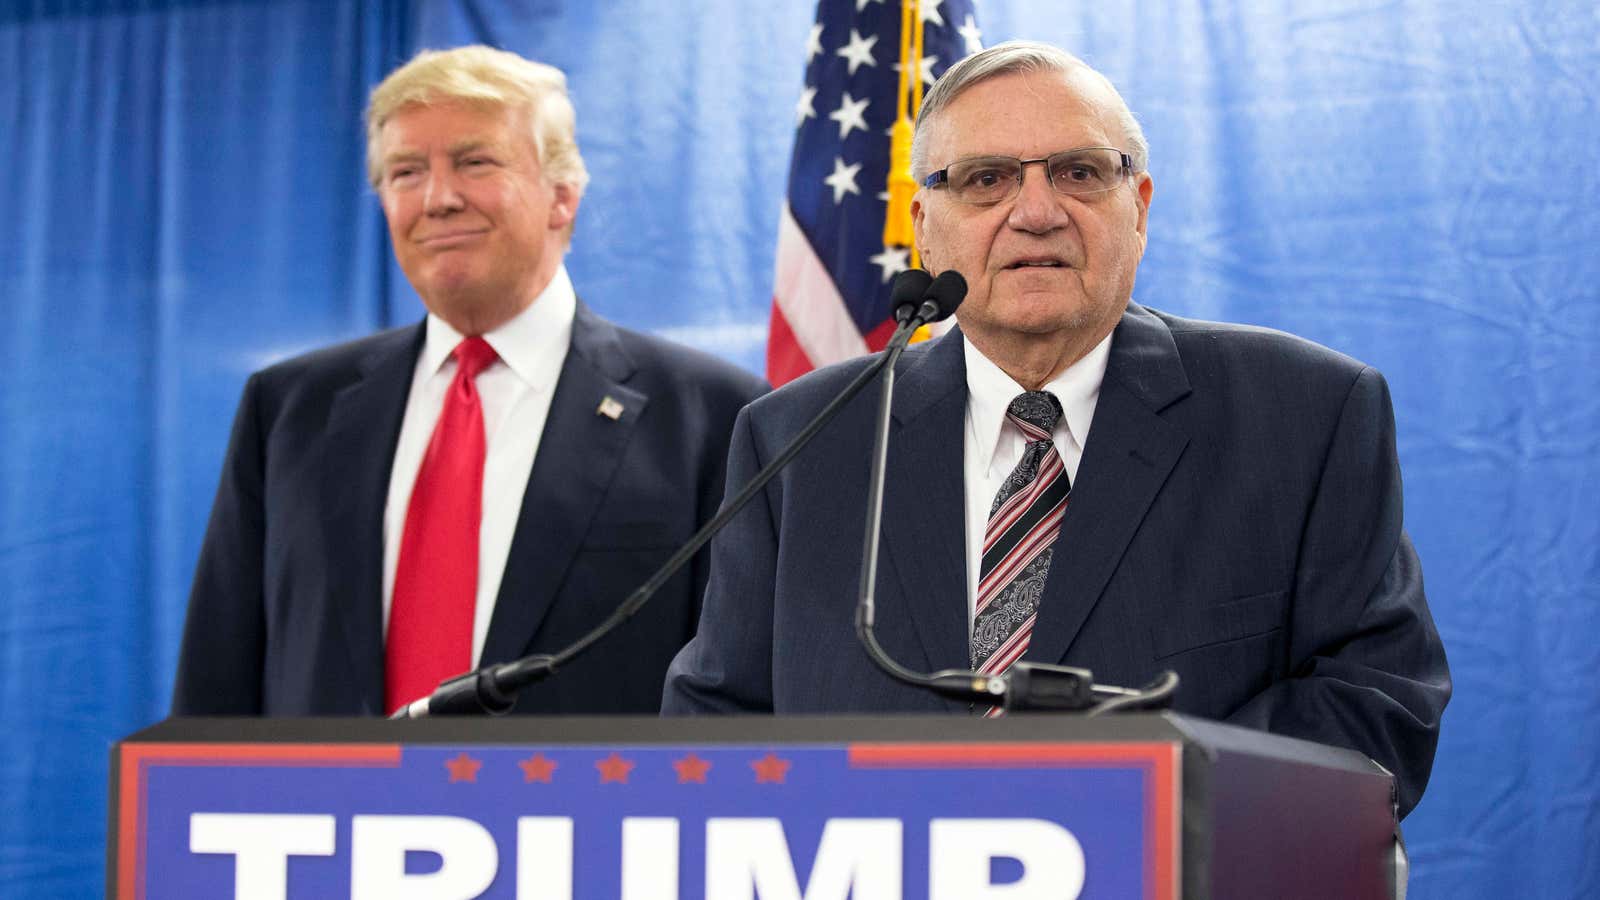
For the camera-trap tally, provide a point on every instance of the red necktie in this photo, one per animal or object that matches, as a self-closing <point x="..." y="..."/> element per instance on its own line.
<point x="436" y="577"/>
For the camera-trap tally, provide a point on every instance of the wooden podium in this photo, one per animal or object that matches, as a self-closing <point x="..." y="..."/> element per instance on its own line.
<point x="1144" y="807"/>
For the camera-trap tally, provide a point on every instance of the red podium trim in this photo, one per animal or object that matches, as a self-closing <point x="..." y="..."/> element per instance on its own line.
<point x="138" y="758"/>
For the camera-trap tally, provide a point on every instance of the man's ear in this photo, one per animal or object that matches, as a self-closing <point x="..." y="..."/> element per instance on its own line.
<point x="1146" y="188"/>
<point x="565" y="208"/>
<point x="918" y="213"/>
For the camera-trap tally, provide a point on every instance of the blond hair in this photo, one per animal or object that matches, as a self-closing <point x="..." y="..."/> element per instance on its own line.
<point x="484" y="76"/>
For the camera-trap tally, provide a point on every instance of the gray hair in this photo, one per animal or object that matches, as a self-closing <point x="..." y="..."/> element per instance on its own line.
<point x="1005" y="59"/>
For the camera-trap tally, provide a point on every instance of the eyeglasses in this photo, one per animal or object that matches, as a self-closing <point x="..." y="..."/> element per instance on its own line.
<point x="985" y="180"/>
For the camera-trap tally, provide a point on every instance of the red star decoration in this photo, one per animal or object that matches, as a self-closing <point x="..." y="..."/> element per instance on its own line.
<point x="614" y="769"/>
<point x="692" y="769"/>
<point x="537" y="768"/>
<point x="770" y="769"/>
<point x="463" y="768"/>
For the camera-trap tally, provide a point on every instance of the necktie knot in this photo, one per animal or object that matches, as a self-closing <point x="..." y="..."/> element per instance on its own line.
<point x="1036" y="413"/>
<point x="473" y="355"/>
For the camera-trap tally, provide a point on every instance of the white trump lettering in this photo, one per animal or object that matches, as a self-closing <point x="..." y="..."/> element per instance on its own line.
<point x="960" y="850"/>
<point x="858" y="859"/>
<point x="649" y="859"/>
<point x="378" y="846"/>
<point x="745" y="858"/>
<point x="261" y="845"/>
<point x="544" y="858"/>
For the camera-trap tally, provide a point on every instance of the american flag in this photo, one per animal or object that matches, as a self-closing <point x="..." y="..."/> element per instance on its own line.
<point x="831" y="289"/>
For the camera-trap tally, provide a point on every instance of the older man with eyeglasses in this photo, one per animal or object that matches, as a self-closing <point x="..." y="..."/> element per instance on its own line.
<point x="1075" y="478"/>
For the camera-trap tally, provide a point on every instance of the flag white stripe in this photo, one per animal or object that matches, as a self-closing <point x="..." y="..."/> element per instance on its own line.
<point x="810" y="301"/>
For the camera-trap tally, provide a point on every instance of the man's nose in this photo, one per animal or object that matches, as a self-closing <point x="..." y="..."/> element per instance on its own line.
<point x="441" y="196"/>
<point x="1037" y="207"/>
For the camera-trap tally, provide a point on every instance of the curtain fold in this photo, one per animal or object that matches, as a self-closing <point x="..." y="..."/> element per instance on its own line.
<point x="1412" y="184"/>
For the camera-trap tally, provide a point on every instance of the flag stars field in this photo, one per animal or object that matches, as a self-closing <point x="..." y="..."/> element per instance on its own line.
<point x="806" y="108"/>
<point x="831" y="282"/>
<point x="814" y="41"/>
<point x="893" y="261"/>
<point x="843" y="180"/>
<point x="970" y="34"/>
<point x="858" y="51"/>
<point x="851" y="114"/>
<point x="928" y="62"/>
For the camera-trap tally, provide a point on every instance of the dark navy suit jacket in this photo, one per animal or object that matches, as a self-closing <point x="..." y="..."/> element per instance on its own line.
<point x="1236" y="518"/>
<point x="286" y="609"/>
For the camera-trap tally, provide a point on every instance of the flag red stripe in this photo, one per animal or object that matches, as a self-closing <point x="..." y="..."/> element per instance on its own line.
<point x="785" y="360"/>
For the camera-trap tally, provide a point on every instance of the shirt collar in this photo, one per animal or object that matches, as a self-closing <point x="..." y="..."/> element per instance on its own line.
<point x="533" y="344"/>
<point x="990" y="392"/>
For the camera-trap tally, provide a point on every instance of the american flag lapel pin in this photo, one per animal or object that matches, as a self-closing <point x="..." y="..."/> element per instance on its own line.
<point x="610" y="407"/>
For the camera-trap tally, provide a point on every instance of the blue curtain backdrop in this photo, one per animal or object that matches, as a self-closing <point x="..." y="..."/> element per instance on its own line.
<point x="1413" y="183"/>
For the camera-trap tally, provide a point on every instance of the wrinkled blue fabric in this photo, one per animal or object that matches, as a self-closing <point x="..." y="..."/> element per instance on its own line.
<point x="1413" y="184"/>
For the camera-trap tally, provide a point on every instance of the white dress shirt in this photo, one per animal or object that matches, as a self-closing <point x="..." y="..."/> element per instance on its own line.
<point x="515" y="391"/>
<point x="993" y="446"/>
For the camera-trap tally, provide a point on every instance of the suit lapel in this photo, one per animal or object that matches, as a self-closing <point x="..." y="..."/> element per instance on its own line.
<point x="1130" y="451"/>
<point x="578" y="456"/>
<point x="924" y="511"/>
<point x="363" y="426"/>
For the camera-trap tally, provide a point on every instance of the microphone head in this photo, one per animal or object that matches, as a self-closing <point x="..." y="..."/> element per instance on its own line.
<point x="946" y="293"/>
<point x="910" y="287"/>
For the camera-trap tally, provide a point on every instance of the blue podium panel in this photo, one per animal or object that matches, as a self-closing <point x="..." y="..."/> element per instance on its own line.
<point x="726" y="809"/>
<point x="628" y="820"/>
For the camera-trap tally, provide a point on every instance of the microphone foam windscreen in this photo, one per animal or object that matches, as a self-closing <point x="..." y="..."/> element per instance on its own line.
<point x="910" y="287"/>
<point x="947" y="292"/>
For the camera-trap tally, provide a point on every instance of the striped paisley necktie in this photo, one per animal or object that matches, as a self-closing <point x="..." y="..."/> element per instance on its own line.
<point x="1017" y="542"/>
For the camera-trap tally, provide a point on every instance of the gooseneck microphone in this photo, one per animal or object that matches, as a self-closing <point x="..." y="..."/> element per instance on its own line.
<point x="917" y="299"/>
<point x="1025" y="685"/>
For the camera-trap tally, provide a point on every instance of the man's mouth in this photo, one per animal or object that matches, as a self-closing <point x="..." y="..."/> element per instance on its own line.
<point x="1037" y="264"/>
<point x="449" y="237"/>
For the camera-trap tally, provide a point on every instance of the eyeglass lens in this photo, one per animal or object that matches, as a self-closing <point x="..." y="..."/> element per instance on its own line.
<point x="990" y="179"/>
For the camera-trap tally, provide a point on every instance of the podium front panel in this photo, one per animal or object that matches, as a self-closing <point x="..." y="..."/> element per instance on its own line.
<point x="761" y="814"/>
